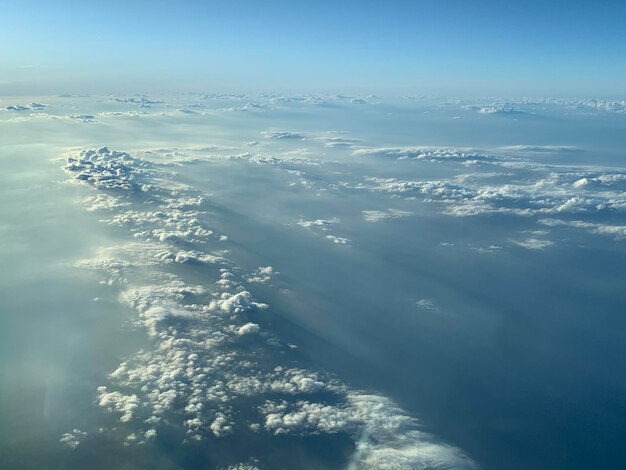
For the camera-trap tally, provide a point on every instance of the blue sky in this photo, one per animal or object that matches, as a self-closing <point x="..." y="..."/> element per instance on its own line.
<point x="484" y="47"/>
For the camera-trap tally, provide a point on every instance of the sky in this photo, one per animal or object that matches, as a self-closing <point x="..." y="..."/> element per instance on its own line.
<point x="440" y="47"/>
<point x="390" y="258"/>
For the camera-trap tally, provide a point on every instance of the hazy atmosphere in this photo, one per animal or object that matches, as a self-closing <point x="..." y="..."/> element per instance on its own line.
<point x="252" y="236"/>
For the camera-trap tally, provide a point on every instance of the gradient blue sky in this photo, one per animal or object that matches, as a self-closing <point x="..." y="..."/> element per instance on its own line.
<point x="445" y="47"/>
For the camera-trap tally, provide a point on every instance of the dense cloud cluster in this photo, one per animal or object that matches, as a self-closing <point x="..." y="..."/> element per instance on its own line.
<point x="106" y="169"/>
<point x="501" y="184"/>
<point x="212" y="369"/>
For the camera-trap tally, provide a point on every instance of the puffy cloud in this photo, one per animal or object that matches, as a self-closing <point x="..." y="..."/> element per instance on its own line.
<point x="235" y="303"/>
<point x="384" y="436"/>
<point x="338" y="240"/>
<point x="542" y="190"/>
<point x="103" y="202"/>
<point x="220" y="426"/>
<point x="72" y="439"/>
<point x="198" y="376"/>
<point x="115" y="401"/>
<point x="321" y="224"/>
<point x="248" y="329"/>
<point x="106" y="169"/>
<point x="262" y="275"/>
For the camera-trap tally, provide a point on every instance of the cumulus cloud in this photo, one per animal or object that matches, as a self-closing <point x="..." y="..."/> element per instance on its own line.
<point x="262" y="275"/>
<point x="107" y="169"/>
<point x="526" y="189"/>
<point x="199" y="376"/>
<point x="72" y="439"/>
<point x="125" y="405"/>
<point x="321" y="226"/>
<point x="248" y="329"/>
<point x="385" y="437"/>
<point x="338" y="240"/>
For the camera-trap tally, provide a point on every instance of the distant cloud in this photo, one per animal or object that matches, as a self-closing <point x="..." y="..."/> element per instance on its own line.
<point x="617" y="231"/>
<point x="377" y="216"/>
<point x="338" y="240"/>
<point x="321" y="224"/>
<point x="72" y="439"/>
<point x="500" y="109"/>
<point x="285" y="135"/>
<point x="540" y="149"/>
<point x="533" y="243"/>
<point x="427" y="304"/>
<point x="27" y="107"/>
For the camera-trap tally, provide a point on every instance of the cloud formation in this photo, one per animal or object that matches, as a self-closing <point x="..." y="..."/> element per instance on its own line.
<point x="213" y="370"/>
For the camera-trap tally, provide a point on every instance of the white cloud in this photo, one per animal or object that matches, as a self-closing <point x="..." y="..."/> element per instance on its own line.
<point x="26" y="107"/>
<point x="617" y="231"/>
<point x="321" y="224"/>
<point x="196" y="376"/>
<point x="285" y="135"/>
<point x="377" y="216"/>
<point x="107" y="169"/>
<point x="432" y="154"/>
<point x="262" y="275"/>
<point x="125" y="405"/>
<point x="72" y="439"/>
<point x="533" y="243"/>
<point x="338" y="240"/>
<point x="248" y="329"/>
<point x="500" y="109"/>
